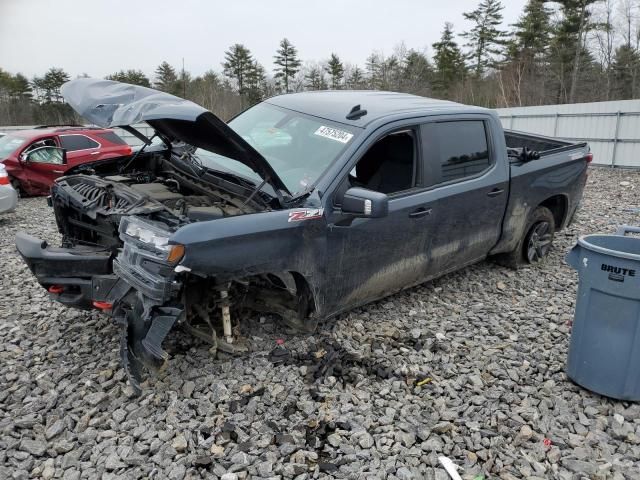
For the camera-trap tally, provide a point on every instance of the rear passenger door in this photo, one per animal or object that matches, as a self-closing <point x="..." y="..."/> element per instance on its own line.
<point x="80" y="148"/>
<point x="465" y="170"/>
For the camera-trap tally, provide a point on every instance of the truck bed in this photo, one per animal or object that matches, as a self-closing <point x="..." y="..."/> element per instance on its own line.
<point x="541" y="144"/>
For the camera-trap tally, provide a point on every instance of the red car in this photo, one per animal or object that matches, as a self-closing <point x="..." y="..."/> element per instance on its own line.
<point x="35" y="158"/>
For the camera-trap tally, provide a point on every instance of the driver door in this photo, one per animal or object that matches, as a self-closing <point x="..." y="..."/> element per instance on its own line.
<point x="373" y="257"/>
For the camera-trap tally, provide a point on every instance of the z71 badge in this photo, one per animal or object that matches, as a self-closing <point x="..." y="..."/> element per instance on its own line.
<point x="306" y="214"/>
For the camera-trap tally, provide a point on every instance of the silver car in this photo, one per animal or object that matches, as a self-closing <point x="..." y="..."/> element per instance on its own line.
<point x="8" y="196"/>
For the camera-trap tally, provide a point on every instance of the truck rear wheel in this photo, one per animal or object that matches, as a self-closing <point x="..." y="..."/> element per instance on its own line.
<point x="535" y="244"/>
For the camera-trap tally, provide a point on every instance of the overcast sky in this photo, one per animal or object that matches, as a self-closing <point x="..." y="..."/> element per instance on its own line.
<point x="98" y="37"/>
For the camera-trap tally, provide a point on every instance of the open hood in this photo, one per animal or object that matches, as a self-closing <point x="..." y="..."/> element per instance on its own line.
<point x="114" y="104"/>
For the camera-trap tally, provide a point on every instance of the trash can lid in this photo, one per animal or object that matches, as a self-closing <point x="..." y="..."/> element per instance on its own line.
<point x="613" y="245"/>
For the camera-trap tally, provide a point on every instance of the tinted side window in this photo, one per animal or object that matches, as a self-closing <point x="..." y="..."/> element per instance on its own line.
<point x="111" y="137"/>
<point x="77" y="142"/>
<point x="456" y="150"/>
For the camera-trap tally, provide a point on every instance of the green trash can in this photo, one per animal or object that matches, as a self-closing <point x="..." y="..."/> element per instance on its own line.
<point x="604" y="353"/>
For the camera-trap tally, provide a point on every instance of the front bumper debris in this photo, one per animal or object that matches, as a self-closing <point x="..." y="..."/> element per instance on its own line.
<point x="141" y="340"/>
<point x="82" y="275"/>
<point x="136" y="288"/>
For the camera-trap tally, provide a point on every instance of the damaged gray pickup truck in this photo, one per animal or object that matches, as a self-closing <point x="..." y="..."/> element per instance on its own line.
<point x="303" y="206"/>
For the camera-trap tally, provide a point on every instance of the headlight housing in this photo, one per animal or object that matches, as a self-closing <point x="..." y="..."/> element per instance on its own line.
<point x="152" y="237"/>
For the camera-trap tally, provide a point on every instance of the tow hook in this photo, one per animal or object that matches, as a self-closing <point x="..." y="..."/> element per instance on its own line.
<point x="104" y="306"/>
<point x="55" y="289"/>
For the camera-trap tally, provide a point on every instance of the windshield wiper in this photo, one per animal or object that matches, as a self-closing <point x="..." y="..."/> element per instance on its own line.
<point x="243" y="182"/>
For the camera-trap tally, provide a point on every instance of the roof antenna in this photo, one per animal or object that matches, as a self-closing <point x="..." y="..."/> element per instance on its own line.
<point x="356" y="112"/>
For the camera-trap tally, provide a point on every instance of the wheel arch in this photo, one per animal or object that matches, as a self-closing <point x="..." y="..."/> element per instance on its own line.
<point x="558" y="205"/>
<point x="305" y="293"/>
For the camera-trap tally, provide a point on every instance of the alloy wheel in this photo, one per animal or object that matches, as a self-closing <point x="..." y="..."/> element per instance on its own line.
<point x="539" y="242"/>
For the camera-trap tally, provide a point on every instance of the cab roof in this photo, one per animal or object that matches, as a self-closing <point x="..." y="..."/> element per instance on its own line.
<point x="336" y="105"/>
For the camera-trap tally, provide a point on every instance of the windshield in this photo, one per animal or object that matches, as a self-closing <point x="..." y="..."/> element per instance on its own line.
<point x="298" y="147"/>
<point x="9" y="144"/>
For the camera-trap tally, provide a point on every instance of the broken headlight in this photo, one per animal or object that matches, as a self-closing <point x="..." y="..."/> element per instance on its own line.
<point x="152" y="237"/>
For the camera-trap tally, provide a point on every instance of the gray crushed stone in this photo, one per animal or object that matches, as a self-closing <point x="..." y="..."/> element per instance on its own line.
<point x="492" y="342"/>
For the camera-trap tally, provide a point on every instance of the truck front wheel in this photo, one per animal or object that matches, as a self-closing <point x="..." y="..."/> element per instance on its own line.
<point x="535" y="244"/>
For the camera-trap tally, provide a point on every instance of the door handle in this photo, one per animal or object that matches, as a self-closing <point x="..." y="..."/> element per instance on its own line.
<point x="495" y="192"/>
<point x="58" y="171"/>
<point x="94" y="153"/>
<point x="420" y="212"/>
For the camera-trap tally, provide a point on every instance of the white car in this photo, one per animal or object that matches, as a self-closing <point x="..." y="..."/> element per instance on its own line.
<point x="8" y="195"/>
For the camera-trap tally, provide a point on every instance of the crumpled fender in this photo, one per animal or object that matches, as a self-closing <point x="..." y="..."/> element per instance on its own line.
<point x="284" y="240"/>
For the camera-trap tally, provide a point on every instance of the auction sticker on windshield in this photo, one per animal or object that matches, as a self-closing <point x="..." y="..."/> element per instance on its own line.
<point x="334" y="134"/>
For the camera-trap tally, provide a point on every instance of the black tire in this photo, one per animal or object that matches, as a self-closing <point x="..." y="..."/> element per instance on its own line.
<point x="535" y="244"/>
<point x="16" y="186"/>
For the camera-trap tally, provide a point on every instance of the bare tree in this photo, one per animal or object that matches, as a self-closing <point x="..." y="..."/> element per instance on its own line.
<point x="628" y="14"/>
<point x="604" y="36"/>
<point x="583" y="27"/>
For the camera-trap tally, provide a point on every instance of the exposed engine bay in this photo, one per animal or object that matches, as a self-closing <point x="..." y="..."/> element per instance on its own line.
<point x="174" y="191"/>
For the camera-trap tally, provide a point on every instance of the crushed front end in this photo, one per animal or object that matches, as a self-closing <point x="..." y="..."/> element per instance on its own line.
<point x="116" y="257"/>
<point x="137" y="285"/>
<point x="116" y="218"/>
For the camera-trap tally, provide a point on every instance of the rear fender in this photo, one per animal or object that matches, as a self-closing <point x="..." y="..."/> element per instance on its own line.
<point x="532" y="184"/>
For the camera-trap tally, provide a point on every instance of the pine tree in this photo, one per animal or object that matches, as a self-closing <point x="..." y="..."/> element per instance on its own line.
<point x="626" y="72"/>
<point x="238" y="65"/>
<point x="134" y="77"/>
<point x="48" y="86"/>
<point x="416" y="73"/>
<point x="372" y="66"/>
<point x="568" y="54"/>
<point x="314" y="79"/>
<point x="19" y="87"/>
<point x="449" y="62"/>
<point x="335" y="69"/>
<point x="14" y="86"/>
<point x="356" y="79"/>
<point x="485" y="40"/>
<point x="287" y="63"/>
<point x="166" y="78"/>
<point x="255" y="83"/>
<point x="523" y="75"/>
<point x="532" y="31"/>
<point x="388" y="72"/>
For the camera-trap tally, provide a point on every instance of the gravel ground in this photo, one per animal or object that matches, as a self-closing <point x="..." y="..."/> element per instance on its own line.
<point x="488" y="344"/>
